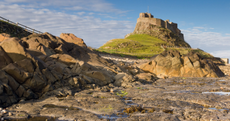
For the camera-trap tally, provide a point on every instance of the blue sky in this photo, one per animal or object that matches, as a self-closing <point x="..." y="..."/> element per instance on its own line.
<point x="204" y="23"/>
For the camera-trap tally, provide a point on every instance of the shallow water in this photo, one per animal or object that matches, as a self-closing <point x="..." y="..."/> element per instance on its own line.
<point x="36" y="118"/>
<point x="219" y="109"/>
<point x="218" y="93"/>
<point x="222" y="80"/>
<point x="113" y="117"/>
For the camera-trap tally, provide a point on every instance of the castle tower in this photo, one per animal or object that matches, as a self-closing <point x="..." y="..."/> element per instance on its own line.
<point x="145" y="15"/>
<point x="149" y="15"/>
<point x="147" y="18"/>
<point x="142" y="15"/>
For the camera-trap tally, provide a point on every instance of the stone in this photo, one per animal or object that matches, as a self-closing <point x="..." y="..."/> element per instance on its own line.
<point x="13" y="84"/>
<point x="102" y="77"/>
<point x="4" y="58"/>
<point x="14" y="49"/>
<point x="30" y="94"/>
<point x="45" y="39"/>
<point x="172" y="64"/>
<point x="146" y="77"/>
<point x="8" y="89"/>
<point x="71" y="38"/>
<point x="34" y="52"/>
<point x="122" y="79"/>
<point x="64" y="58"/>
<point x="82" y="82"/>
<point x="4" y="36"/>
<point x="1" y="88"/>
<point x="10" y="114"/>
<point x="47" y="73"/>
<point x="18" y="74"/>
<point x="36" y="83"/>
<point x="20" y="91"/>
<point x="74" y="82"/>
<point x="27" y="65"/>
<point x="87" y="79"/>
<point x="36" y="44"/>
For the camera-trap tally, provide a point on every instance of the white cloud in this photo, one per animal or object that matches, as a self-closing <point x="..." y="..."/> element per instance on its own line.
<point x="81" y="13"/>
<point x="201" y="36"/>
<point x="88" y="5"/>
<point x="212" y="42"/>
<point x="222" y="53"/>
<point x="15" y="1"/>
<point x="94" y="31"/>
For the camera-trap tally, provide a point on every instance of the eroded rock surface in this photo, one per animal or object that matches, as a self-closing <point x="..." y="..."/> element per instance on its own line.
<point x="172" y="99"/>
<point x="43" y="76"/>
<point x="69" y="37"/>
<point x="33" y="66"/>
<point x="172" y="64"/>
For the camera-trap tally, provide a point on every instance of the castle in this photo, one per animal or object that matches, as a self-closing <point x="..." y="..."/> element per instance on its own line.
<point x="148" y="18"/>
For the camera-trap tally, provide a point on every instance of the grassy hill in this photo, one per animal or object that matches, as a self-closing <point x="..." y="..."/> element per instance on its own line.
<point x="141" y="46"/>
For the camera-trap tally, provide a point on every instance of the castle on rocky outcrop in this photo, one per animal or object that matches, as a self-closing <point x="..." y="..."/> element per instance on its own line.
<point x="148" y="18"/>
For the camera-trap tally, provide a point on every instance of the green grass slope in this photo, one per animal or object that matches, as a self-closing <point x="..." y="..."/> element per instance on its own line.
<point x="141" y="46"/>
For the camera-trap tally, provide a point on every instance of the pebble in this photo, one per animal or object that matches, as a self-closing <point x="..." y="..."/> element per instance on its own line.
<point x="111" y="90"/>
<point x="9" y="114"/>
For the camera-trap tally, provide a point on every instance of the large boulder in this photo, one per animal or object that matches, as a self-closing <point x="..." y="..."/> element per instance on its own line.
<point x="64" y="58"/>
<point x="146" y="77"/>
<point x="14" y="49"/>
<point x="173" y="64"/>
<point x="102" y="78"/>
<point x="45" y="43"/>
<point x="71" y="38"/>
<point x="122" y="79"/>
<point x="4" y="58"/>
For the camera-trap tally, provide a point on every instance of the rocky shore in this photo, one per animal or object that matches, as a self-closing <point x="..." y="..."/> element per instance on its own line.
<point x="47" y="78"/>
<point x="171" y="99"/>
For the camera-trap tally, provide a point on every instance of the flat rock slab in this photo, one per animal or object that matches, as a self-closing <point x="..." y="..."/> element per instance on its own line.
<point x="166" y="99"/>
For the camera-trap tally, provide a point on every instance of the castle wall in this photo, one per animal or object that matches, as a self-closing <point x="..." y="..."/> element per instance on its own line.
<point x="154" y="21"/>
<point x="171" y="26"/>
<point x="181" y="36"/>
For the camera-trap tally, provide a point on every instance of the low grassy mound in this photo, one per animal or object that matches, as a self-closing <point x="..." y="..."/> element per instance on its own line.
<point x="142" y="46"/>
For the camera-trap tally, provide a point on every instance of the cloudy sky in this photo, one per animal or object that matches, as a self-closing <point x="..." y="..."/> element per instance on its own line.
<point x="204" y="23"/>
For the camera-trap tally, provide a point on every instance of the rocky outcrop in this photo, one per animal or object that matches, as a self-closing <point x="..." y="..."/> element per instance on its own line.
<point x="69" y="37"/>
<point x="38" y="64"/>
<point x="172" y="64"/>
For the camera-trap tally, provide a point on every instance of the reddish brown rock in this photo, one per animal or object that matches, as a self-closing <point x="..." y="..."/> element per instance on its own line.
<point x="71" y="38"/>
